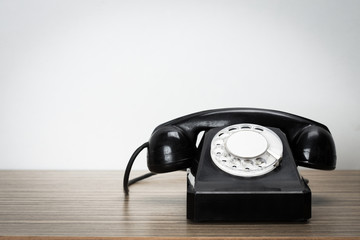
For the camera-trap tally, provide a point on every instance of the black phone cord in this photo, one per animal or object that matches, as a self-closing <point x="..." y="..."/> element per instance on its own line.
<point x="126" y="182"/>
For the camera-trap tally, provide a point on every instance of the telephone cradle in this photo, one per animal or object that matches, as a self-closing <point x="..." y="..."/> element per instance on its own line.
<point x="245" y="167"/>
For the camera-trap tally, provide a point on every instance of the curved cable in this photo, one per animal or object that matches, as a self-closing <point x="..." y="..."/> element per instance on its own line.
<point x="126" y="182"/>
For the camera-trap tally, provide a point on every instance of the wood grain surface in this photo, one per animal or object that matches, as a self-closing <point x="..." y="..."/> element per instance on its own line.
<point x="91" y="204"/>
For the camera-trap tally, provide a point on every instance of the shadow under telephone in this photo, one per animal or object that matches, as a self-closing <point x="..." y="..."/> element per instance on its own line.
<point x="245" y="167"/>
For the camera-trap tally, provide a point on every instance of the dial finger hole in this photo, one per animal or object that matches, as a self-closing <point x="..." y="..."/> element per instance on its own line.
<point x="260" y="161"/>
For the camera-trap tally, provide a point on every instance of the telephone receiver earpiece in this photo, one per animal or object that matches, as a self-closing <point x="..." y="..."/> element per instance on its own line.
<point x="170" y="149"/>
<point x="172" y="144"/>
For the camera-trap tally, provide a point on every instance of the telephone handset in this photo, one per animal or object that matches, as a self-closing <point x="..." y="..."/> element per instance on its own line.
<point x="246" y="156"/>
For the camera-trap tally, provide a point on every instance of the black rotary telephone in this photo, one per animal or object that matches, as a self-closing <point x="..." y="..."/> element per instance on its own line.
<point x="245" y="167"/>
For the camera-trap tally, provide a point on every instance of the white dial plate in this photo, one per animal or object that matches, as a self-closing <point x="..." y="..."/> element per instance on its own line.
<point x="246" y="150"/>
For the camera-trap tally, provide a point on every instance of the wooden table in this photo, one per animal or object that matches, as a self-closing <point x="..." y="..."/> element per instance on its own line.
<point x="91" y="204"/>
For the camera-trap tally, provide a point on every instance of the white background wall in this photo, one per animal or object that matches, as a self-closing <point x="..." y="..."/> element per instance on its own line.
<point x="83" y="83"/>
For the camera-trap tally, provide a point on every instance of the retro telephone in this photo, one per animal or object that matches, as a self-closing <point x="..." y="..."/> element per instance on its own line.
<point x="245" y="167"/>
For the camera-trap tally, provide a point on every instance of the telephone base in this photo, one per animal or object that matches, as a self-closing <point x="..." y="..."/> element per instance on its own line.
<point x="214" y="195"/>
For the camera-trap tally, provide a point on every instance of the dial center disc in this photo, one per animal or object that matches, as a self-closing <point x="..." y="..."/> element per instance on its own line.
<point x="246" y="144"/>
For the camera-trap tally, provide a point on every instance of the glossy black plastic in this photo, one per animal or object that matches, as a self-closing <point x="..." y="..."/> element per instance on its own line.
<point x="169" y="150"/>
<point x="172" y="144"/>
<point x="314" y="148"/>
